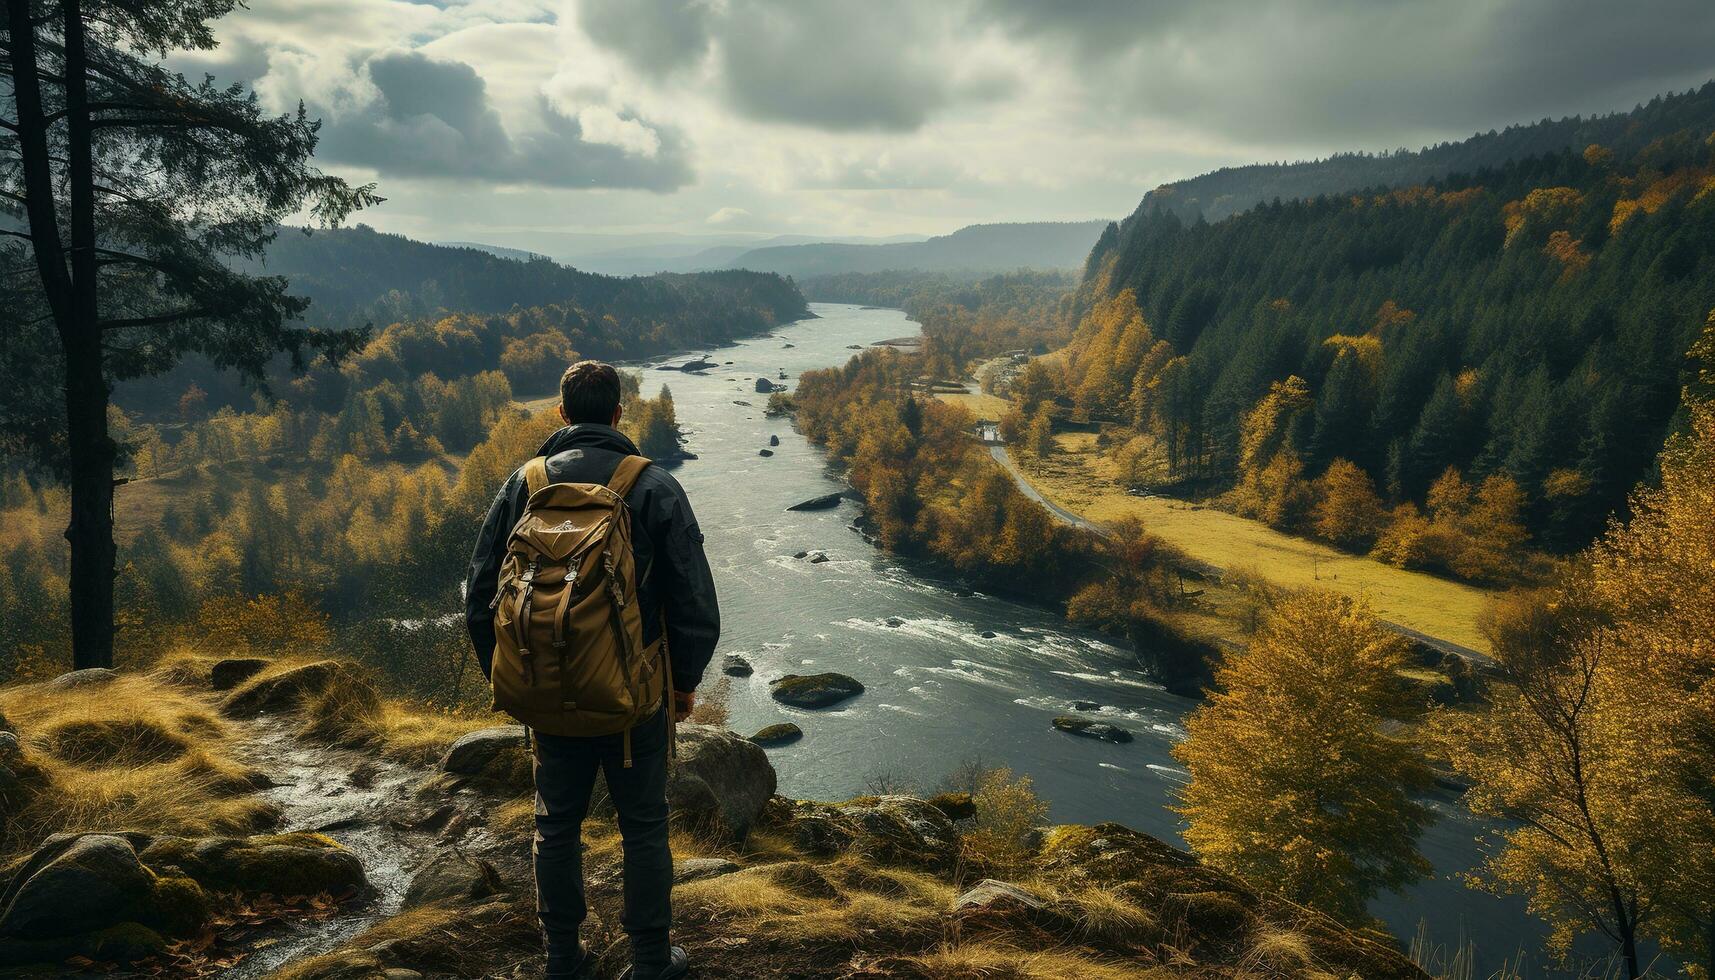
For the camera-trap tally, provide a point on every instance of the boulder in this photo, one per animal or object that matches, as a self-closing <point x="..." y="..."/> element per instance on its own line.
<point x="291" y="689"/>
<point x="991" y="897"/>
<point x="824" y="502"/>
<point x="453" y="879"/>
<point x="743" y="404"/>
<point x="76" y="885"/>
<point x="801" y="555"/>
<point x="720" y="783"/>
<point x="765" y="386"/>
<point x="901" y="830"/>
<point x="496" y="758"/>
<point x="765" y="452"/>
<point x="88" y="677"/>
<point x="818" y="558"/>
<point x="815" y="690"/>
<point x="988" y="634"/>
<point x="1086" y="728"/>
<point x="734" y="665"/>
<point x="774" y="440"/>
<point x="1081" y="705"/>
<point x="957" y="806"/>
<point x="233" y="671"/>
<point x="787" y="346"/>
<point x="784" y="733"/>
<point x="894" y="622"/>
<point x="696" y="869"/>
<point x="275" y="864"/>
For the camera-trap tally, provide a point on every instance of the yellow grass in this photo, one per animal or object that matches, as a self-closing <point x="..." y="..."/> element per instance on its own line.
<point x="136" y="754"/>
<point x="1081" y="479"/>
<point x="988" y="961"/>
<point x="978" y="404"/>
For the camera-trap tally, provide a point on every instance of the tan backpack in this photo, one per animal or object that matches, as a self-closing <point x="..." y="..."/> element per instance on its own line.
<point x="568" y="655"/>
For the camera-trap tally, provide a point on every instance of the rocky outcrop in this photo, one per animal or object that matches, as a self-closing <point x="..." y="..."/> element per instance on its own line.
<point x="1092" y="729"/>
<point x="826" y="501"/>
<point x="76" y="885"/>
<point x="784" y="733"/>
<point x="276" y="864"/>
<point x="491" y="758"/>
<point x="815" y="690"/>
<point x="453" y="879"/>
<point x="735" y="665"/>
<point x="294" y="687"/>
<point x="1002" y="906"/>
<point x="765" y="386"/>
<point x="900" y="830"/>
<point x="720" y="783"/>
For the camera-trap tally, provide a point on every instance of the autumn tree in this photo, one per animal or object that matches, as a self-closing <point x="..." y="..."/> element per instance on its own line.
<point x="1347" y="510"/>
<point x="133" y="188"/>
<point x="1296" y="785"/>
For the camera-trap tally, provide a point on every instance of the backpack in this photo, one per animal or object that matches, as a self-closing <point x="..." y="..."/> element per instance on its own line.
<point x="569" y="656"/>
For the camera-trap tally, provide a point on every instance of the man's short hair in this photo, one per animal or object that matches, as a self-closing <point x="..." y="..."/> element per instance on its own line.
<point x="589" y="392"/>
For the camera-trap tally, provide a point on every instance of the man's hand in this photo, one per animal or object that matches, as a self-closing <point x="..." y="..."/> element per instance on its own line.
<point x="684" y="702"/>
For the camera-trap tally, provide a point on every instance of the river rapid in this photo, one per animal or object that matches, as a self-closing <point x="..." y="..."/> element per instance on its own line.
<point x="940" y="693"/>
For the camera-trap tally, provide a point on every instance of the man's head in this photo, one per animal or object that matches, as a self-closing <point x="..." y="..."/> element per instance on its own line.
<point x="589" y="392"/>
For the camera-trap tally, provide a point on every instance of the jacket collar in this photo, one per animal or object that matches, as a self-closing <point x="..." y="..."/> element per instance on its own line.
<point x="588" y="435"/>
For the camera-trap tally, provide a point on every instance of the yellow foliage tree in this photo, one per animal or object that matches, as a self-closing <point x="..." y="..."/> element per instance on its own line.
<point x="1296" y="785"/>
<point x="1347" y="510"/>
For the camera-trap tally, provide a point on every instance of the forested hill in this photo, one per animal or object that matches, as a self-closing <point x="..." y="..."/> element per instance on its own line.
<point x="359" y="274"/>
<point x="976" y="249"/>
<point x="1529" y="321"/>
<point x="1230" y="190"/>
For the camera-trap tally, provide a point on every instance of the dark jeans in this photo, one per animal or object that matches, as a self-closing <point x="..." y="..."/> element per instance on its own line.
<point x="565" y="771"/>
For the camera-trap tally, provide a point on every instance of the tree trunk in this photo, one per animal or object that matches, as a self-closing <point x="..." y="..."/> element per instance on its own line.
<point x="87" y="394"/>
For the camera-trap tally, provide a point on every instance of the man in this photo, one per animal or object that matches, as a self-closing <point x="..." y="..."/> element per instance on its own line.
<point x="676" y="592"/>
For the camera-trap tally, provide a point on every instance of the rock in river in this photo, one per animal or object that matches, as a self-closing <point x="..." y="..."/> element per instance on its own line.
<point x="1091" y="729"/>
<point x="815" y="690"/>
<point x="824" y="502"/>
<point x="784" y="733"/>
<point x="765" y="452"/>
<point x="736" y="666"/>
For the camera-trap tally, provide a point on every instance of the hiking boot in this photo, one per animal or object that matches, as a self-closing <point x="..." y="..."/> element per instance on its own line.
<point x="569" y="966"/>
<point x="678" y="965"/>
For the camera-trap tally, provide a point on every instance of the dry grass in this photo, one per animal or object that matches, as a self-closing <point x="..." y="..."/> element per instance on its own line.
<point x="839" y="902"/>
<point x="988" y="961"/>
<point x="981" y="406"/>
<point x="137" y="754"/>
<point x="1082" y="479"/>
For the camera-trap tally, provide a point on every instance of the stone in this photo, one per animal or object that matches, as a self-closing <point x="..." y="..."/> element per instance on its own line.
<point x="801" y="555"/>
<point x="894" y="622"/>
<point x="815" y="690"/>
<point x="720" y="783"/>
<point x="765" y="452"/>
<point x="696" y="869"/>
<point x="765" y="386"/>
<point x="774" y="440"/>
<point x="1081" y="705"/>
<point x="734" y="665"/>
<point x="286" y="865"/>
<point x="1086" y="728"/>
<point x="452" y="879"/>
<point x="818" y="558"/>
<point x="233" y="671"/>
<point x="784" y="733"/>
<point x="988" y="634"/>
<point x="824" y="502"/>
<point x="957" y="806"/>
<point x="497" y="758"/>
<point x="990" y="894"/>
<point x="76" y="885"/>
<point x="88" y="677"/>
<point x="899" y="830"/>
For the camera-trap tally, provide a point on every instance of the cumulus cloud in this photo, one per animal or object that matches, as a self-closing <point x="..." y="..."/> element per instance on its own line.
<point x="432" y="118"/>
<point x="655" y="36"/>
<point x="727" y="216"/>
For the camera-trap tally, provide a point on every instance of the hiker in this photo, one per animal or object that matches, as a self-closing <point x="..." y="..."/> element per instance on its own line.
<point x="594" y="620"/>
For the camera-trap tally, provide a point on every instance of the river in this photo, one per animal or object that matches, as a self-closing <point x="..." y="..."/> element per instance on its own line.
<point x="939" y="692"/>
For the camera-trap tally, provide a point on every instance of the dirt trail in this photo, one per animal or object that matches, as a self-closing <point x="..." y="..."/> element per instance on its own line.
<point x="345" y="794"/>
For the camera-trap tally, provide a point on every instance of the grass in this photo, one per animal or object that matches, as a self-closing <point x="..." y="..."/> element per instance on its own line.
<point x="137" y="753"/>
<point x="1082" y="479"/>
<point x="981" y="406"/>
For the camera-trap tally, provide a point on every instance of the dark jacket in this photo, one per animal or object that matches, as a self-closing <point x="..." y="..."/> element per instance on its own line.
<point x="672" y="572"/>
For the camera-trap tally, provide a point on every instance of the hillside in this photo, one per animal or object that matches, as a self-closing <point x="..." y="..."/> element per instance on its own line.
<point x="977" y="248"/>
<point x="1525" y="325"/>
<point x="357" y="274"/>
<point x="1231" y="190"/>
<point x="281" y="816"/>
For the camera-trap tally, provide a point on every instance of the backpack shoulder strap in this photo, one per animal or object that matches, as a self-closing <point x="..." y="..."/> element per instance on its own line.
<point x="626" y="474"/>
<point x="535" y="475"/>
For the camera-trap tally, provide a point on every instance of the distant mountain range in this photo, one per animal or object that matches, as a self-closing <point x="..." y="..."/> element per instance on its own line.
<point x="1231" y="190"/>
<point x="976" y="248"/>
<point x="645" y="253"/>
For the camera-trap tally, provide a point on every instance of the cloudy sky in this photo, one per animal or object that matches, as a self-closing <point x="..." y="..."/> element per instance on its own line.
<point x="491" y="119"/>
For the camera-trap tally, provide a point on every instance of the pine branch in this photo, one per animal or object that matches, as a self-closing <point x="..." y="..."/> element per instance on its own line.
<point x="158" y="320"/>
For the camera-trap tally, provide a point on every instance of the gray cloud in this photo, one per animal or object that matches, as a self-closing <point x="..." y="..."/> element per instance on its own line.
<point x="655" y="36"/>
<point x="434" y="119"/>
<point x="1325" y="71"/>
